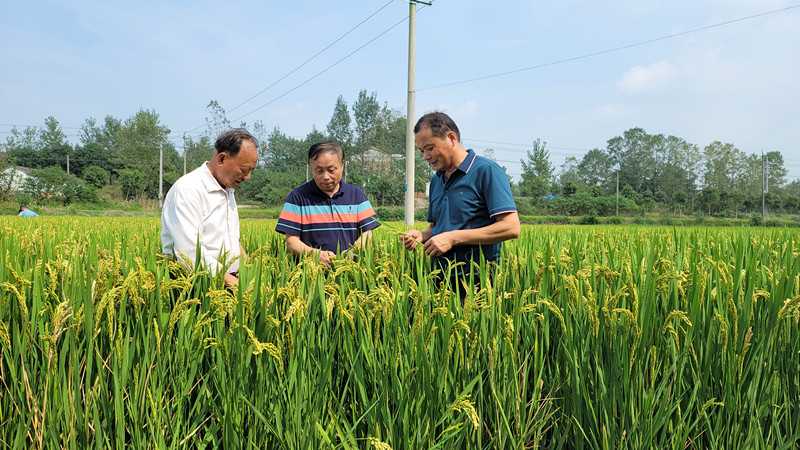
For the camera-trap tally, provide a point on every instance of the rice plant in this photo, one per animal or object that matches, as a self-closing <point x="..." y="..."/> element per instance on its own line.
<point x="591" y="337"/>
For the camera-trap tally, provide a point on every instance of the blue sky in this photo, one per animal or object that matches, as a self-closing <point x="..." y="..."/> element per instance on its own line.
<point x="736" y="83"/>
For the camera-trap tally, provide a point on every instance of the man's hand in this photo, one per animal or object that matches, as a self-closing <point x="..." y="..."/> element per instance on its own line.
<point x="411" y="239"/>
<point x="325" y="257"/>
<point x="438" y="245"/>
<point x="231" y="279"/>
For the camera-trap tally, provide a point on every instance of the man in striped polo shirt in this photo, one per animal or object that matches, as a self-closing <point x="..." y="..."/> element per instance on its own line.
<point x="326" y="216"/>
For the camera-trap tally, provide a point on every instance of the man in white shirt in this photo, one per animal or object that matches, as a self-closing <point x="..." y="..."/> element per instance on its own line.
<point x="200" y="213"/>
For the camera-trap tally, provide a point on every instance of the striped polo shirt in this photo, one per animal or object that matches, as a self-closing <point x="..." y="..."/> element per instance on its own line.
<point x="328" y="223"/>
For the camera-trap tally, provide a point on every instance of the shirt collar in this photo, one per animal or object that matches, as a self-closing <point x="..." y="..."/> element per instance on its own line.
<point x="315" y="189"/>
<point x="211" y="184"/>
<point x="465" y="165"/>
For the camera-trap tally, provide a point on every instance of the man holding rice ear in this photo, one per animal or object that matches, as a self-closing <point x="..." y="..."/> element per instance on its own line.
<point x="326" y="215"/>
<point x="471" y="210"/>
<point x="200" y="212"/>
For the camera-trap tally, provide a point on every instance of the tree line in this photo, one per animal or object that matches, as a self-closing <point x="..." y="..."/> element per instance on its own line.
<point x="640" y="172"/>
<point x="635" y="173"/>
<point x="124" y="154"/>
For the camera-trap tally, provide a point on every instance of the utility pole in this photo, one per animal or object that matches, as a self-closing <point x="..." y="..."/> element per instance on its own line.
<point x="160" y="174"/>
<point x="184" y="153"/>
<point x="763" y="184"/>
<point x="617" y="192"/>
<point x="410" y="152"/>
<point x="67" y="162"/>
<point x="766" y="180"/>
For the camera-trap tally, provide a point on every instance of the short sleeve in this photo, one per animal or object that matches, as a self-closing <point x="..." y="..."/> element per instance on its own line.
<point x="366" y="214"/>
<point x="291" y="219"/>
<point x="497" y="190"/>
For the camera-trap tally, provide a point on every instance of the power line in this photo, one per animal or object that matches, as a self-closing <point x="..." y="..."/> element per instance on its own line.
<point x="321" y="72"/>
<point x="309" y="60"/>
<point x="624" y="47"/>
<point x="313" y="57"/>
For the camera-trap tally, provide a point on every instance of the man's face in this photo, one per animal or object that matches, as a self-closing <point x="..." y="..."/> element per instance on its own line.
<point x="236" y="170"/>
<point x="327" y="171"/>
<point x="438" y="152"/>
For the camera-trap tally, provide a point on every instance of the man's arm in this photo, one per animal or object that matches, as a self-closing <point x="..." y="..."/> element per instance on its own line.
<point x="299" y="248"/>
<point x="182" y="218"/>
<point x="243" y="253"/>
<point x="505" y="227"/>
<point x="360" y="243"/>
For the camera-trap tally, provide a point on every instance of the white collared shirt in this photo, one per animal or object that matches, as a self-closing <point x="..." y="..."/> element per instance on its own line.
<point x="198" y="209"/>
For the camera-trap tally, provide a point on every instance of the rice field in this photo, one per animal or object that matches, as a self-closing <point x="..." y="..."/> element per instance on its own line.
<point x="583" y="337"/>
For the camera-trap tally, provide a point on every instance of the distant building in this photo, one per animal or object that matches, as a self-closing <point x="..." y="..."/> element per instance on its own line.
<point x="378" y="162"/>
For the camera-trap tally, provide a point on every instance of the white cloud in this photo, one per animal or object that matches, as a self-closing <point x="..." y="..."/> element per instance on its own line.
<point x="643" y="79"/>
<point x="469" y="108"/>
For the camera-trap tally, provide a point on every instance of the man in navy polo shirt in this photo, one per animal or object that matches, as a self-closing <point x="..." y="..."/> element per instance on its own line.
<point x="471" y="209"/>
<point x="326" y="216"/>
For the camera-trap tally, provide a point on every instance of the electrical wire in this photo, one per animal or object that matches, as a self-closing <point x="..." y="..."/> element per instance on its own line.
<point x="321" y="72"/>
<point x="313" y="57"/>
<point x="304" y="63"/>
<point x="603" y="52"/>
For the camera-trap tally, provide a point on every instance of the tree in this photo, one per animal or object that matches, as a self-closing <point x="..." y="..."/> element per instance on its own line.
<point x="724" y="165"/>
<point x="199" y="151"/>
<point x="132" y="183"/>
<point x="793" y="188"/>
<point x="635" y="156"/>
<point x="99" y="145"/>
<point x="776" y="172"/>
<point x="53" y="183"/>
<point x="23" y="147"/>
<point x="339" y="127"/>
<point x="385" y="190"/>
<point x="96" y="176"/>
<point x="537" y="172"/>
<point x="678" y="170"/>
<point x="37" y="148"/>
<point x="54" y="146"/>
<point x="285" y="153"/>
<point x="366" y="113"/>
<point x="217" y="122"/>
<point x="596" y="169"/>
<point x="260" y="132"/>
<point x="314" y="137"/>
<point x="140" y="140"/>
<point x="567" y="176"/>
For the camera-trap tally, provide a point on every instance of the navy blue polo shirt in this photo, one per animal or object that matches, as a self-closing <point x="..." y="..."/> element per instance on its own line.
<point x="328" y="223"/>
<point x="476" y="192"/>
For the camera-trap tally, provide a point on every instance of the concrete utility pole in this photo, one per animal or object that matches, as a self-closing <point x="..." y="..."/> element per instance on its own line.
<point x="184" y="153"/>
<point x="410" y="152"/>
<point x="763" y="183"/>
<point x="617" y="192"/>
<point x="160" y="174"/>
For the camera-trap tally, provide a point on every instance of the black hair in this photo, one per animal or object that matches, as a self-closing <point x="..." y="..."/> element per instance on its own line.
<point x="325" y="147"/>
<point x="230" y="142"/>
<point x="439" y="123"/>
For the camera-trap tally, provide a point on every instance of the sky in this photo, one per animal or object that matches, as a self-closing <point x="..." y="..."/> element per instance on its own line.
<point x="572" y="73"/>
